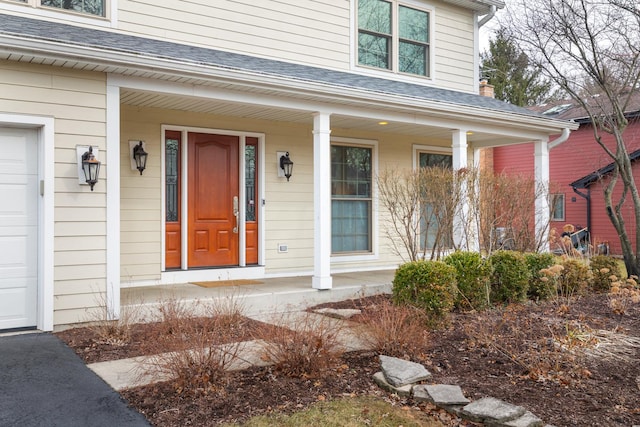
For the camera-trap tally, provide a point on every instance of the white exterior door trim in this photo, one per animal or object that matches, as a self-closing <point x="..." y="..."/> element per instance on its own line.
<point x="113" y="201"/>
<point x="45" y="127"/>
<point x="184" y="274"/>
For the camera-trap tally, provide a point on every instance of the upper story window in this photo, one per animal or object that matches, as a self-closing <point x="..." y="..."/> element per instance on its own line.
<point x="91" y="7"/>
<point x="393" y="36"/>
<point x="87" y="7"/>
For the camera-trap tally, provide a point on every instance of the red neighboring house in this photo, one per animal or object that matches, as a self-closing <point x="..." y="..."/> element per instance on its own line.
<point x="578" y="170"/>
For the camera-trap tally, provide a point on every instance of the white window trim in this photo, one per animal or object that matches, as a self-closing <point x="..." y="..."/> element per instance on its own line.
<point x="564" y="207"/>
<point x="33" y="8"/>
<point x="417" y="149"/>
<point x="394" y="73"/>
<point x="374" y="254"/>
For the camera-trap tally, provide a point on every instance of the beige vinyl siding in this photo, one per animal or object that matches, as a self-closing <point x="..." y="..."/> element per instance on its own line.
<point x="289" y="208"/>
<point x="454" y="48"/>
<point x="140" y="203"/>
<point x="303" y="31"/>
<point x="76" y="100"/>
<point x="289" y="205"/>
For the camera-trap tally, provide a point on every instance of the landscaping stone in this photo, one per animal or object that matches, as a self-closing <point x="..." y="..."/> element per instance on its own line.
<point x="440" y="394"/>
<point x="527" y="420"/>
<point x="400" y="372"/>
<point x="344" y="313"/>
<point x="404" y="391"/>
<point x="492" y="410"/>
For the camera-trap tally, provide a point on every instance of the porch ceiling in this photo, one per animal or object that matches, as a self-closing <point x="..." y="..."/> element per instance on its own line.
<point x="140" y="98"/>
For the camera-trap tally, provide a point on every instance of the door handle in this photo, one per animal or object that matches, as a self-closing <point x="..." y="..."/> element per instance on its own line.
<point x="236" y="211"/>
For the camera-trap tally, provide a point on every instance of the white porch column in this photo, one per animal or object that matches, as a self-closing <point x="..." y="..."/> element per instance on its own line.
<point x="542" y="211"/>
<point x="113" y="201"/>
<point x="460" y="161"/>
<point x="322" y="201"/>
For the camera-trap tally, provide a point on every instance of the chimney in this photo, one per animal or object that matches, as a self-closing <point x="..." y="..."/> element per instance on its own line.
<point x="486" y="154"/>
<point x="486" y="89"/>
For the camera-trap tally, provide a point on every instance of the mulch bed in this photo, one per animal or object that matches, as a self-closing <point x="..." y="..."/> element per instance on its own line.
<point x="501" y="353"/>
<point x="90" y="344"/>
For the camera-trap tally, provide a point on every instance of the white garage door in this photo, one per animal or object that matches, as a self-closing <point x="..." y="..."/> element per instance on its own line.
<point x="18" y="227"/>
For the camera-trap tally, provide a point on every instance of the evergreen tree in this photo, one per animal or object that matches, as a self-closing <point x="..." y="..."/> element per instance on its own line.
<point x="509" y="70"/>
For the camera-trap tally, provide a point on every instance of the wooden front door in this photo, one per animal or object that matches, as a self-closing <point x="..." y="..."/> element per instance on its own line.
<point x="213" y="200"/>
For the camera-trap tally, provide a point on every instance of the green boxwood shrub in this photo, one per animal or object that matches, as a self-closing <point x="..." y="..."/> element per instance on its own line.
<point x="509" y="278"/>
<point x="603" y="268"/>
<point x="473" y="274"/>
<point x="575" y="277"/>
<point x="539" y="289"/>
<point x="429" y="285"/>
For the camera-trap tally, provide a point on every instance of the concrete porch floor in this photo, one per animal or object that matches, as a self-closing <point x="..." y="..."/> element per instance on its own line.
<point x="270" y="296"/>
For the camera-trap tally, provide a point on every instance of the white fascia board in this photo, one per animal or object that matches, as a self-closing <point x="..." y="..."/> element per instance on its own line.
<point x="295" y="87"/>
<point x="481" y="6"/>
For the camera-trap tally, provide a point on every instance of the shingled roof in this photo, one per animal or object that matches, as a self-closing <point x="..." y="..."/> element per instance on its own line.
<point x="589" y="179"/>
<point x="71" y="35"/>
<point x="569" y="109"/>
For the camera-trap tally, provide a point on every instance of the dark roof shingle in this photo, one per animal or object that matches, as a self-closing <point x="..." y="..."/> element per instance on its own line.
<point x="117" y="42"/>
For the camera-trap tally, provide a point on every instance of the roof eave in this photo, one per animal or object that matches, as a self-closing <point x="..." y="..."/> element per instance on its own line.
<point x="283" y="84"/>
<point x="589" y="179"/>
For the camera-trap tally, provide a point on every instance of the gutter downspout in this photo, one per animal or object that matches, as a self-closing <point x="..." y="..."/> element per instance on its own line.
<point x="587" y="197"/>
<point x="559" y="140"/>
<point x="486" y="18"/>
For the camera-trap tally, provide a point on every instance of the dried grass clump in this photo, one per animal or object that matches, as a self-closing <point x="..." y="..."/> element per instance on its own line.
<point x="623" y="294"/>
<point x="113" y="332"/>
<point x="302" y="344"/>
<point x="545" y="353"/>
<point x="396" y="330"/>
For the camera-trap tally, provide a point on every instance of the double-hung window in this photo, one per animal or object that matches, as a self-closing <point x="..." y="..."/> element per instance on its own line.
<point x="351" y="199"/>
<point x="429" y="218"/>
<point x="393" y="36"/>
<point x="556" y="203"/>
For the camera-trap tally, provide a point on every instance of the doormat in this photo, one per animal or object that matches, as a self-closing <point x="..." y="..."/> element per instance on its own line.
<point x="222" y="283"/>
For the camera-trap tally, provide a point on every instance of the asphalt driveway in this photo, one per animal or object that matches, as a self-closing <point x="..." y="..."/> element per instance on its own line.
<point x="44" y="383"/>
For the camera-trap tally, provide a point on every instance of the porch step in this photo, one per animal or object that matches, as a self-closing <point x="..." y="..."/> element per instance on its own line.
<point x="272" y="296"/>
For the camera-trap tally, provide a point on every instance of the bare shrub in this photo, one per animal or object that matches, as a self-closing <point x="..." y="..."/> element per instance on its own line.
<point x="229" y="310"/>
<point x="309" y="350"/>
<point x="431" y="210"/>
<point x="396" y="330"/>
<point x="201" y="349"/>
<point x="507" y="203"/>
<point x="173" y="315"/>
<point x="108" y="329"/>
<point x="423" y="207"/>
